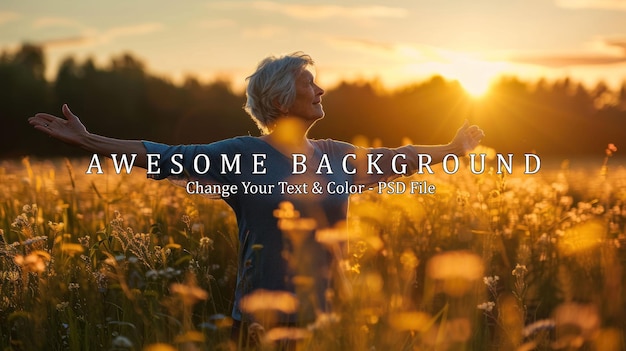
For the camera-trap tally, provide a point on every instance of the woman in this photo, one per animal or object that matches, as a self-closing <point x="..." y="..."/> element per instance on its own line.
<point x="285" y="102"/>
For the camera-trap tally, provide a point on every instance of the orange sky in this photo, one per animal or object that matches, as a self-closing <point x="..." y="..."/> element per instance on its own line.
<point x="393" y="41"/>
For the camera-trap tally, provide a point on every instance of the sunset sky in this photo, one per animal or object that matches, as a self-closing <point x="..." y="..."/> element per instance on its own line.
<point x="394" y="41"/>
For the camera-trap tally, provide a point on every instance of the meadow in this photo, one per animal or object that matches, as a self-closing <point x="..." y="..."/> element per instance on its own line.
<point x="488" y="262"/>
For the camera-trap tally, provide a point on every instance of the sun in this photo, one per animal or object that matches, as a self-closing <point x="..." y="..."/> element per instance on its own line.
<point x="476" y="87"/>
<point x="475" y="72"/>
<point x="474" y="75"/>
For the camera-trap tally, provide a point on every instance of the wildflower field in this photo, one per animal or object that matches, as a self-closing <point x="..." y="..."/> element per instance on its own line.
<point x="489" y="262"/>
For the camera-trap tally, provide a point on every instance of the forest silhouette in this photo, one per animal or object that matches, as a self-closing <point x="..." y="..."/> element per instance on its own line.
<point x="561" y="119"/>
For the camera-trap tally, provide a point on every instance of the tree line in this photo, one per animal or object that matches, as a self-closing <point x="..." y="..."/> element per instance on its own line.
<point x="559" y="118"/>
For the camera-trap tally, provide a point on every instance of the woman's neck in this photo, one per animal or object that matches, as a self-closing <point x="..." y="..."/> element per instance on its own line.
<point x="290" y="136"/>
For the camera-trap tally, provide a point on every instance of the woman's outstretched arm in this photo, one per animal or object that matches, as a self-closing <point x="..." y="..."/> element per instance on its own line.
<point x="72" y="131"/>
<point x="465" y="140"/>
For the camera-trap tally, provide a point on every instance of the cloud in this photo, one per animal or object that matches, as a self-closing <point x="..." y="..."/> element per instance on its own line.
<point x="65" y="42"/>
<point x="604" y="52"/>
<point x="399" y="51"/>
<point x="593" y="4"/>
<point x="571" y="60"/>
<point x="8" y="16"/>
<point x="319" y="12"/>
<point x="329" y="11"/>
<point x="47" y="22"/>
<point x="93" y="37"/>
<point x="619" y="44"/>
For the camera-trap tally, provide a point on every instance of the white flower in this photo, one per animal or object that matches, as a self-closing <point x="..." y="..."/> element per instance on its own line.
<point x="520" y="270"/>
<point x="487" y="306"/>
<point x="491" y="281"/>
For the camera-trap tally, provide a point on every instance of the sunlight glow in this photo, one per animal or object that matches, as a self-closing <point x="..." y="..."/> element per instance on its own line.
<point x="476" y="87"/>
<point x="474" y="75"/>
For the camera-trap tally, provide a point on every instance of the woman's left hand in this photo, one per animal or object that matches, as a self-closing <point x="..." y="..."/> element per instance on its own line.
<point x="467" y="138"/>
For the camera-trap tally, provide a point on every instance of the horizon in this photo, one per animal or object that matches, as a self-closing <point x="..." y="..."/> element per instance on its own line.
<point x="374" y="82"/>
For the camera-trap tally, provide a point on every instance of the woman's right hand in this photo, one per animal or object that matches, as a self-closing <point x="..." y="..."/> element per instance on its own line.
<point x="69" y="129"/>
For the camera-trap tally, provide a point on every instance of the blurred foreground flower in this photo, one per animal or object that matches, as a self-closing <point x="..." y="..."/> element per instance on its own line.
<point x="333" y="236"/>
<point x="610" y="149"/>
<point x="265" y="304"/>
<point x="189" y="293"/>
<point x="159" y="347"/>
<point x="262" y="299"/>
<point x="575" y="324"/>
<point x="72" y="249"/>
<point x="33" y="262"/>
<point x="582" y="237"/>
<point x="417" y="321"/>
<point x="278" y="334"/>
<point x="286" y="210"/>
<point x="455" y="270"/>
<point x="191" y="336"/>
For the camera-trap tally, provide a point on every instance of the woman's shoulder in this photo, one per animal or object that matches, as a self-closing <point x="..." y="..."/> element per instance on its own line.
<point x="332" y="144"/>
<point x="243" y="142"/>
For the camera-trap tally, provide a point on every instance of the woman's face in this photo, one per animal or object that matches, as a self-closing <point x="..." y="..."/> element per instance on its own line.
<point x="308" y="102"/>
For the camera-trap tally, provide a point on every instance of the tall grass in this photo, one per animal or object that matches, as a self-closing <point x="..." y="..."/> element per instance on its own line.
<point x="489" y="262"/>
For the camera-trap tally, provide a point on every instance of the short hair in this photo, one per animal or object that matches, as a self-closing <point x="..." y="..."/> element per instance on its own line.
<point x="273" y="81"/>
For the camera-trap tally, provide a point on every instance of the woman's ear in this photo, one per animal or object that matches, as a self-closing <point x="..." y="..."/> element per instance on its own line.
<point x="283" y="110"/>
